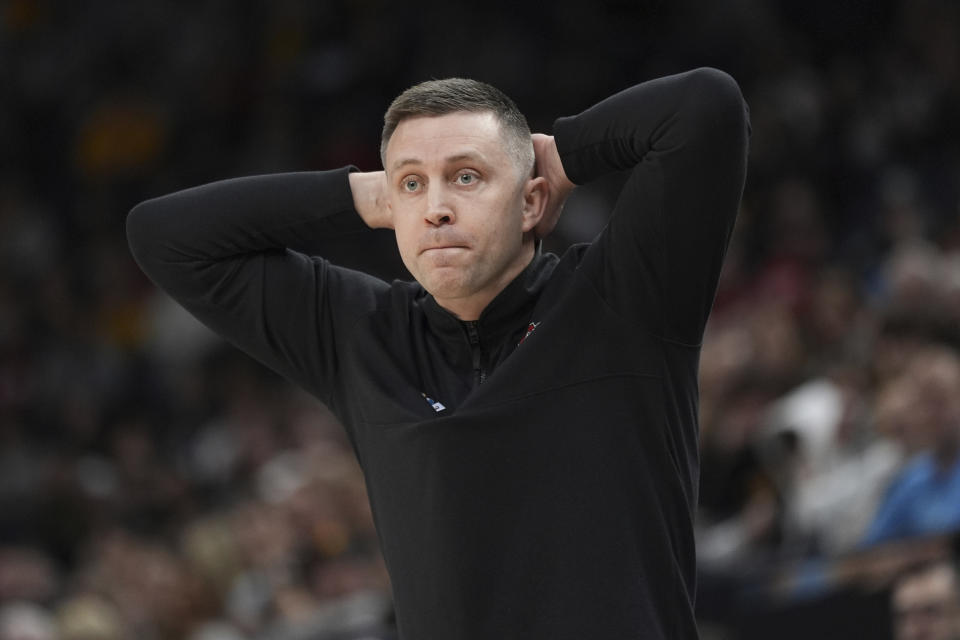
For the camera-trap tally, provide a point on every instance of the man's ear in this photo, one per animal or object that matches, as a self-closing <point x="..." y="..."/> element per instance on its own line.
<point x="535" y="195"/>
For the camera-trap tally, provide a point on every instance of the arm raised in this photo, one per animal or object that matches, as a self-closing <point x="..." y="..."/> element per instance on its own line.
<point x="683" y="138"/>
<point x="237" y="254"/>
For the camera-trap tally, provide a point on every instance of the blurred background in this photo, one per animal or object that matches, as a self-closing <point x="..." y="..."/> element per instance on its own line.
<point x="156" y="484"/>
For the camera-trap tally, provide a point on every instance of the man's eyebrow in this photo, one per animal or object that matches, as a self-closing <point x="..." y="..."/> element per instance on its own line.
<point x="458" y="157"/>
<point x="466" y="155"/>
<point x="405" y="161"/>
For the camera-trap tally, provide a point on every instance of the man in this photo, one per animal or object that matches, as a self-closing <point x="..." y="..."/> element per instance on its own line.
<point x="926" y="603"/>
<point x="526" y="423"/>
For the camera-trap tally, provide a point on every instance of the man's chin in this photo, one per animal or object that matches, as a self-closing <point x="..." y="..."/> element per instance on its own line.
<point x="443" y="290"/>
<point x="446" y="283"/>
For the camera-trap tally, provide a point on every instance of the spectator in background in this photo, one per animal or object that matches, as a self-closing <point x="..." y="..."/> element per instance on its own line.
<point x="925" y="496"/>
<point x="831" y="466"/>
<point x="926" y="604"/>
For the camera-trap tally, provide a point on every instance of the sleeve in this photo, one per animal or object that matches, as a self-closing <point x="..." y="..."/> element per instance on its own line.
<point x="234" y="254"/>
<point x="684" y="140"/>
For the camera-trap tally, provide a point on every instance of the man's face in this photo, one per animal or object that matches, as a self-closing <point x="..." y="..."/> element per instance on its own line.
<point x="458" y="204"/>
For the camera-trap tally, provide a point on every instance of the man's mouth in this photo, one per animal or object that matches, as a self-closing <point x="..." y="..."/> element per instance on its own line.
<point x="443" y="247"/>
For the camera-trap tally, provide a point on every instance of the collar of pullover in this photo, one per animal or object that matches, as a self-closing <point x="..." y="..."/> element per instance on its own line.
<point x="507" y="313"/>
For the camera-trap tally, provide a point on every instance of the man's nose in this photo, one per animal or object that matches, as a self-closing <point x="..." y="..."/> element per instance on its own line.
<point x="439" y="212"/>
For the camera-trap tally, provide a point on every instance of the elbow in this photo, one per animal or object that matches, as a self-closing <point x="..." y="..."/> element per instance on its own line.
<point x="715" y="100"/>
<point x="711" y="81"/>
<point x="710" y="85"/>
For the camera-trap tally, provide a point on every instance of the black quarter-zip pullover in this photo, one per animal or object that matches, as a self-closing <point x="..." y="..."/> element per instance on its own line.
<point x="532" y="474"/>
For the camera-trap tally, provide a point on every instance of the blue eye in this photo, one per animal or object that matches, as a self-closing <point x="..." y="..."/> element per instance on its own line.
<point x="466" y="178"/>
<point x="410" y="185"/>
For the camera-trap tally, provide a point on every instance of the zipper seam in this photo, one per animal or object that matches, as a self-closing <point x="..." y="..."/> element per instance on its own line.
<point x="473" y="336"/>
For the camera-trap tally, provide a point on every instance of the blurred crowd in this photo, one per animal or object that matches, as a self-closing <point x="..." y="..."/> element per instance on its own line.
<point x="155" y="483"/>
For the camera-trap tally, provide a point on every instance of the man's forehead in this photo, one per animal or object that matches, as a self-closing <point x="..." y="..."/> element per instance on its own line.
<point x="450" y="137"/>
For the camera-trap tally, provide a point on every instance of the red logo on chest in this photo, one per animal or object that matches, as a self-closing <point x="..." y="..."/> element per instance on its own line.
<point x="530" y="328"/>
